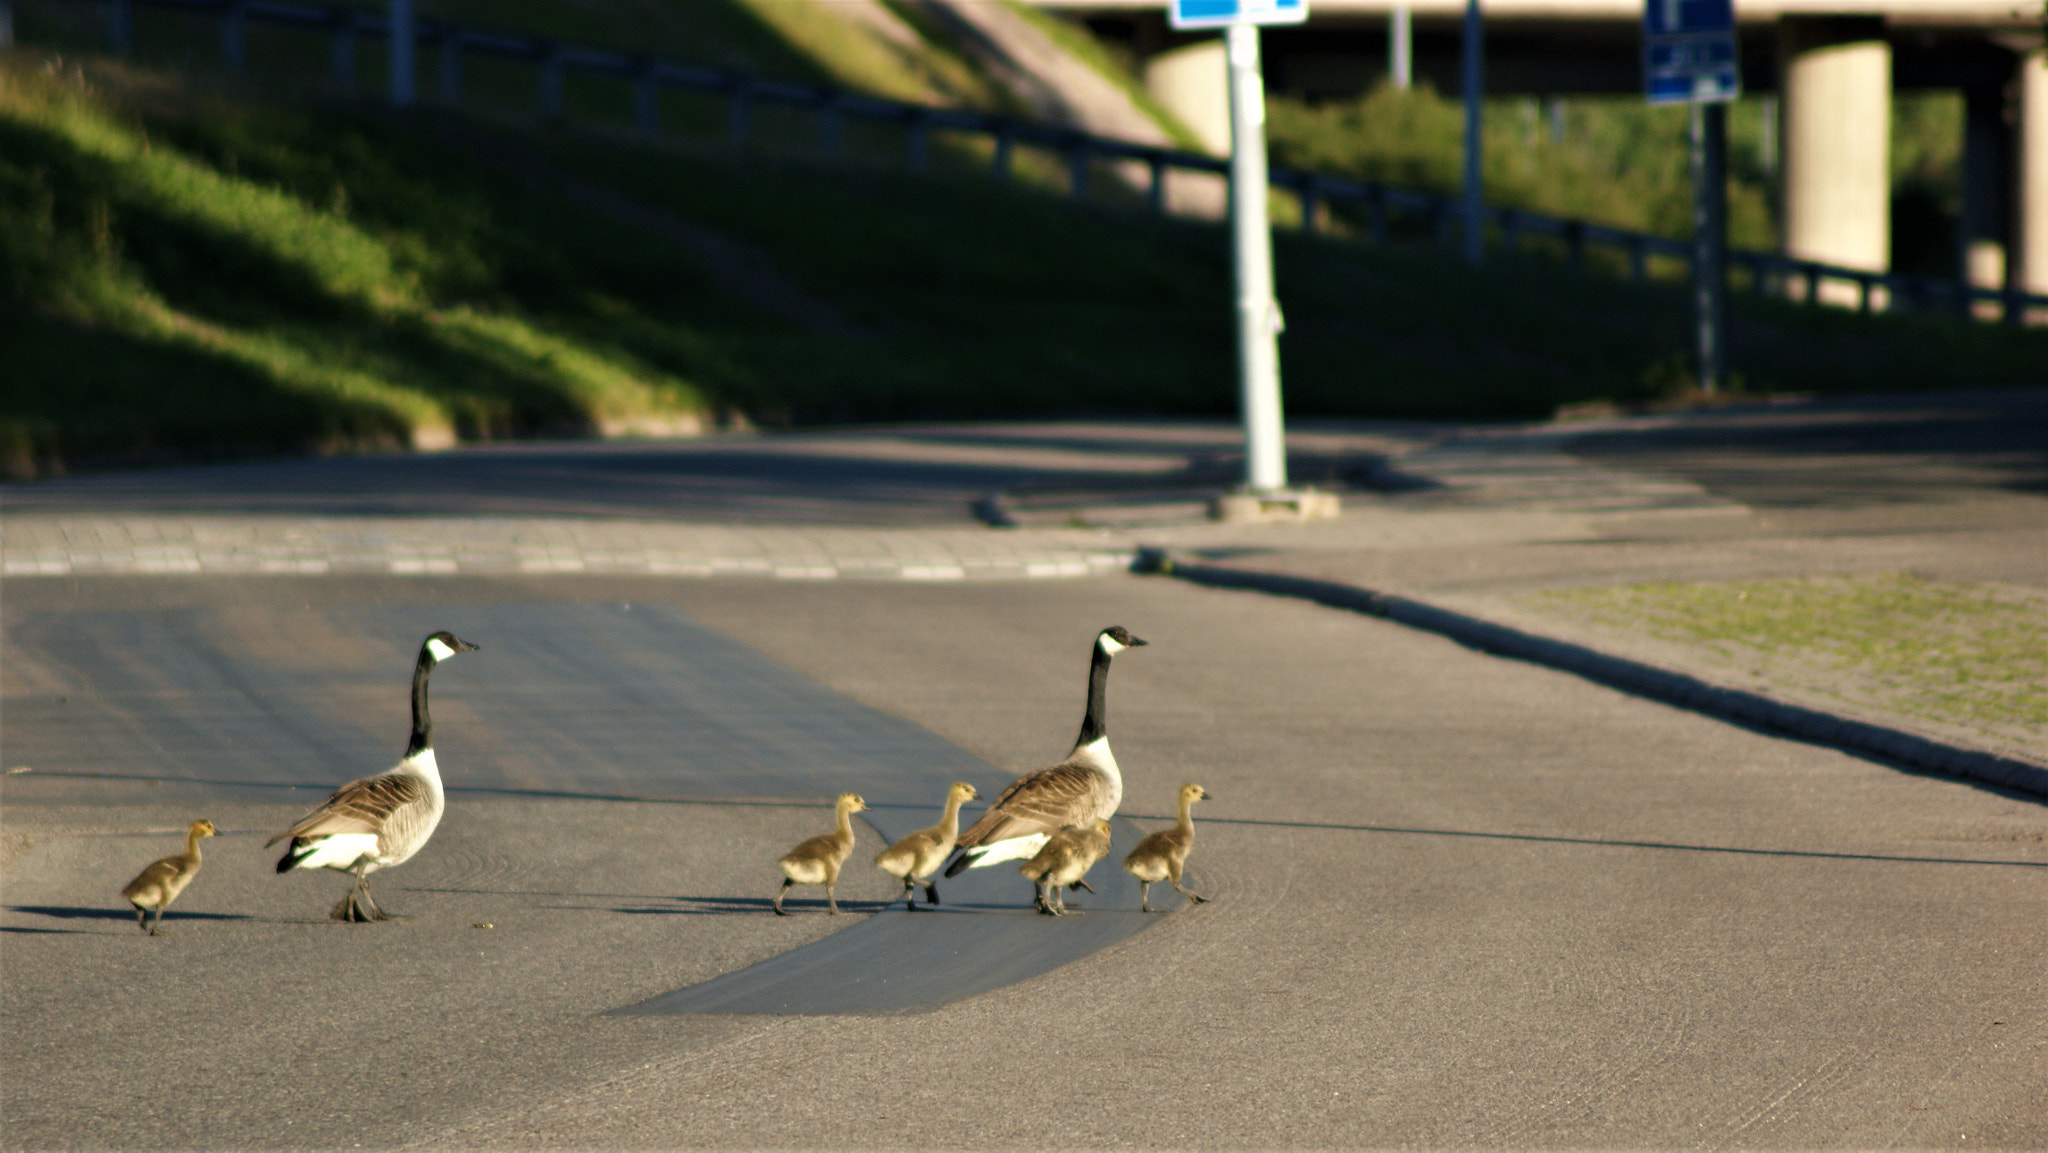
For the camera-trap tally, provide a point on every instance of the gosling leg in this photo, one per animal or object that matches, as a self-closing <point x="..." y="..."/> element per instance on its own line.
<point x="931" y="893"/>
<point x="1145" y="896"/>
<point x="909" y="895"/>
<point x="1082" y="885"/>
<point x="1174" y="876"/>
<point x="831" y="899"/>
<point x="157" y="920"/>
<point x="142" y="918"/>
<point x="786" y="883"/>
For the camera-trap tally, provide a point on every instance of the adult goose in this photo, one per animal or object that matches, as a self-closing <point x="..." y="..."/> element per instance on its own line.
<point x="1083" y="788"/>
<point x="379" y="821"/>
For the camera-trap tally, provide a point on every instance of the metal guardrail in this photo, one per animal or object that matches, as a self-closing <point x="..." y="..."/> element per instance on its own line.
<point x="1379" y="203"/>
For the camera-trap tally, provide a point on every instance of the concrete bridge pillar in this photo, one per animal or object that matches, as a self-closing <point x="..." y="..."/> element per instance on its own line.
<point x="1986" y="186"/>
<point x="1836" y="81"/>
<point x="2030" y="191"/>
<point x="1192" y="82"/>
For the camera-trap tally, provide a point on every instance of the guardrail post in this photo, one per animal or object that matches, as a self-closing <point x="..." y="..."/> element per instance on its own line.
<point x="1575" y="244"/>
<point x="400" y="42"/>
<point x="344" y="49"/>
<point x="551" y="81"/>
<point x="1310" y="192"/>
<point x="1863" y="293"/>
<point x="121" y="28"/>
<point x="1155" y="191"/>
<point x="1510" y="231"/>
<point x="1078" y="161"/>
<point x="234" y="36"/>
<point x="1376" y="211"/>
<point x="646" y="100"/>
<point x="451" y="64"/>
<point x="829" y="126"/>
<point x="2015" y="311"/>
<point x="917" y="141"/>
<point x="1006" y="144"/>
<point x="1638" y="258"/>
<point x="1812" y="272"/>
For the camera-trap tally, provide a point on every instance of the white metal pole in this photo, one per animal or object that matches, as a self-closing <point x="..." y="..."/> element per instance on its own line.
<point x="398" y="52"/>
<point x="1258" y="313"/>
<point x="1401" y="48"/>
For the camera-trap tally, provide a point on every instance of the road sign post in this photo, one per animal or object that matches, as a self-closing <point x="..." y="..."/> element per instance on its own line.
<point x="1258" y="311"/>
<point x="1689" y="58"/>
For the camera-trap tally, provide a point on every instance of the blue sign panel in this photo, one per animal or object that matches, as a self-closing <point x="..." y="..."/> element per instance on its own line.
<point x="1223" y="13"/>
<point x="1689" y="51"/>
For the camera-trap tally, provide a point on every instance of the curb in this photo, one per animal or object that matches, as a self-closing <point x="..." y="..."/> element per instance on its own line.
<point x="1920" y="753"/>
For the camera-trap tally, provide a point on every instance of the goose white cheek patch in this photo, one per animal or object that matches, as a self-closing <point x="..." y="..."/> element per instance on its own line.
<point x="1109" y="645"/>
<point x="438" y="649"/>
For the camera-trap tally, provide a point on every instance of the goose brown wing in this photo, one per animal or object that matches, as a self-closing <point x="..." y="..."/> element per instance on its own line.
<point x="363" y="806"/>
<point x="1041" y="802"/>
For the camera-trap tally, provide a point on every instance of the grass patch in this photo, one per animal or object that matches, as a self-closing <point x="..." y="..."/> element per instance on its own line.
<point x="1964" y="654"/>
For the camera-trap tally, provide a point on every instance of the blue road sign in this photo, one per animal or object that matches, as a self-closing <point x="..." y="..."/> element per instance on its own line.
<point x="1689" y="51"/>
<point x="1223" y="13"/>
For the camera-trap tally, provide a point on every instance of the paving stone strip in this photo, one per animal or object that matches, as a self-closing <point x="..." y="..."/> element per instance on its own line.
<point x="171" y="545"/>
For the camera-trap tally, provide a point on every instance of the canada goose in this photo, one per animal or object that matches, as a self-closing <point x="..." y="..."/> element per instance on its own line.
<point x="158" y="885"/>
<point x="1085" y="786"/>
<point x="379" y="821"/>
<point x="1065" y="859"/>
<point x="1161" y="855"/>
<point x="817" y="861"/>
<point x="916" y="857"/>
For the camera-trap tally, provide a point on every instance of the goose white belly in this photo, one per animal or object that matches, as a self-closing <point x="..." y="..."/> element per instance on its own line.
<point x="1015" y="849"/>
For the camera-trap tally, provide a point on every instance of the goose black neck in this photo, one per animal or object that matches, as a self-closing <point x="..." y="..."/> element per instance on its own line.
<point x="1095" y="722"/>
<point x="422" y="724"/>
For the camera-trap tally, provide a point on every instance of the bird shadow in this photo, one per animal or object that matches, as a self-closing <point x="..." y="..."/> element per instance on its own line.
<point x="721" y="906"/>
<point x="85" y="913"/>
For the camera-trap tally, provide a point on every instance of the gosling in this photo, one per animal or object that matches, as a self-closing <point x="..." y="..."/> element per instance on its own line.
<point x="817" y="861"/>
<point x="916" y="857"/>
<point x="1162" y="855"/>
<point x="158" y="885"/>
<point x="1062" y="863"/>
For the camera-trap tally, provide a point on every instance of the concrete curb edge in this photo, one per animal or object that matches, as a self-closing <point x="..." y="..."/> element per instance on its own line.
<point x="1630" y="676"/>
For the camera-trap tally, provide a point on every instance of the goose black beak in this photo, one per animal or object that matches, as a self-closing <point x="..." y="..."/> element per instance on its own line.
<point x="1138" y="641"/>
<point x="463" y="646"/>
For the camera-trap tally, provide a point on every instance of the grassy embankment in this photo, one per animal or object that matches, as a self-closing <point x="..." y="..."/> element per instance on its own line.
<point x="1972" y="656"/>
<point x="186" y="273"/>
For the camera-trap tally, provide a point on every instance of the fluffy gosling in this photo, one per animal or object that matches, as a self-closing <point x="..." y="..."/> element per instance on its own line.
<point x="1064" y="860"/>
<point x="916" y="857"/>
<point x="158" y="885"/>
<point x="817" y="861"/>
<point x="1161" y="855"/>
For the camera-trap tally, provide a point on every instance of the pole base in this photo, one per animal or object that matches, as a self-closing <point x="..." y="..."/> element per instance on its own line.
<point x="1279" y="506"/>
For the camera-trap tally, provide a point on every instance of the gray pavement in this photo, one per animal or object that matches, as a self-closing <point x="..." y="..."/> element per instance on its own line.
<point x="1458" y="899"/>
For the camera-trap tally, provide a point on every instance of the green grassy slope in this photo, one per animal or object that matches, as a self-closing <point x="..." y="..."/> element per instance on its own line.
<point x="186" y="274"/>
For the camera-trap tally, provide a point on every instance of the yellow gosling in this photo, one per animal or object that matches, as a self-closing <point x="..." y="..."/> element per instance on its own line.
<point x="158" y="885"/>
<point x="916" y="857"/>
<point x="1162" y="855"/>
<point x="1064" y="860"/>
<point x="817" y="861"/>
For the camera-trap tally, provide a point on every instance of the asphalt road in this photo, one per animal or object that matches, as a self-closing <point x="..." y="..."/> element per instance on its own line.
<point x="1456" y="900"/>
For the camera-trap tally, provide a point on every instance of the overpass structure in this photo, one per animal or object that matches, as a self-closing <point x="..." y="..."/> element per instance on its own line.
<point x="1833" y="66"/>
